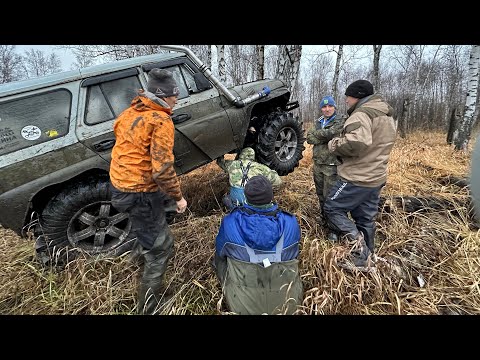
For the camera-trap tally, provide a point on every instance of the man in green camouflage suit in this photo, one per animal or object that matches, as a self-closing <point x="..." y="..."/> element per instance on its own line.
<point x="239" y="171"/>
<point x="328" y="126"/>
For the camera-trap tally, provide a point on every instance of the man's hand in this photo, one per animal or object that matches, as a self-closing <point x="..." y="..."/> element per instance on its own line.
<point x="311" y="138"/>
<point x="181" y="205"/>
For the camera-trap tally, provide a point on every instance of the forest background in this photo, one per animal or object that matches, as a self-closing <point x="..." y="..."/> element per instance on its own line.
<point x="431" y="87"/>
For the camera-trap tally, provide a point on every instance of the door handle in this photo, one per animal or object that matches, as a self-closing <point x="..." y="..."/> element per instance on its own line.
<point x="177" y="119"/>
<point x="103" y="145"/>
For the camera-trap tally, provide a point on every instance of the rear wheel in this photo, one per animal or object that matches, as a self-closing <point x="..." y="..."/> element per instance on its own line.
<point x="281" y="142"/>
<point x="81" y="217"/>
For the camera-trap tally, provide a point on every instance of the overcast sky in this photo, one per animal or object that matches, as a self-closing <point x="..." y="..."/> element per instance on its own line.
<point x="65" y="55"/>
<point x="68" y="59"/>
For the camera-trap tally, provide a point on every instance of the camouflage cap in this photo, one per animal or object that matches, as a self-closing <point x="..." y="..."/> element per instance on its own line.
<point x="247" y="154"/>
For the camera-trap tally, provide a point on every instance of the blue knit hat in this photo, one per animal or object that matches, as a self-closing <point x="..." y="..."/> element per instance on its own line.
<point x="327" y="100"/>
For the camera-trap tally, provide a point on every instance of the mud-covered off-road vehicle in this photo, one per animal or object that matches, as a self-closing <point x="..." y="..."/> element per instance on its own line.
<point x="56" y="138"/>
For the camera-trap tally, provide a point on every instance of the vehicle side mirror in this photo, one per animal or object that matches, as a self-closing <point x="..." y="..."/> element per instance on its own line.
<point x="201" y="82"/>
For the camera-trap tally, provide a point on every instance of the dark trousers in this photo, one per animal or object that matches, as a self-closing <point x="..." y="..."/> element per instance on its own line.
<point x="362" y="204"/>
<point x="147" y="215"/>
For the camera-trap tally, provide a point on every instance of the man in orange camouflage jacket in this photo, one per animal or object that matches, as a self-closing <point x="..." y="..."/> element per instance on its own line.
<point x="143" y="179"/>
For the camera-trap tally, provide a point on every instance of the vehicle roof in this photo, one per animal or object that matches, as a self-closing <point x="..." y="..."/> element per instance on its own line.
<point x="74" y="75"/>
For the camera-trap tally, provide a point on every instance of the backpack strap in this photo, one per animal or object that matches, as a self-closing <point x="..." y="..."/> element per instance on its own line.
<point x="272" y="257"/>
<point x="244" y="173"/>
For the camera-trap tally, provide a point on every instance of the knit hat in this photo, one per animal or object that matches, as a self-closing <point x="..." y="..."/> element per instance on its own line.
<point x="258" y="190"/>
<point x="161" y="83"/>
<point x="327" y="100"/>
<point x="359" y="89"/>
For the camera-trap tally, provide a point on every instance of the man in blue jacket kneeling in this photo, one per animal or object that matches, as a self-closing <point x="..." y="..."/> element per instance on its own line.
<point x="256" y="252"/>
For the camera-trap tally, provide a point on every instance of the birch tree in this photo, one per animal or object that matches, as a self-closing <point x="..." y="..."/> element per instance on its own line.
<point x="282" y="60"/>
<point x="260" y="63"/>
<point x="376" y="67"/>
<point x="336" y="73"/>
<point x="461" y="136"/>
<point x="295" y="52"/>
<point x="288" y="64"/>
<point x="222" y="73"/>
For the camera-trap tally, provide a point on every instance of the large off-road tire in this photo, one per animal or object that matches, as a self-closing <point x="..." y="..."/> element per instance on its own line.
<point x="280" y="142"/>
<point x="81" y="217"/>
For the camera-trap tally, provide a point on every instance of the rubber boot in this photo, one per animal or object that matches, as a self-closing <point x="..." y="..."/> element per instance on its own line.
<point x="359" y="252"/>
<point x="150" y="294"/>
<point x="369" y="236"/>
<point x="321" y="219"/>
<point x="359" y="257"/>
<point x="151" y="289"/>
<point x="333" y="237"/>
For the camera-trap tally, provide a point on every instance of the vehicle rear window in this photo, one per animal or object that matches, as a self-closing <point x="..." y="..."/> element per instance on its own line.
<point x="34" y="119"/>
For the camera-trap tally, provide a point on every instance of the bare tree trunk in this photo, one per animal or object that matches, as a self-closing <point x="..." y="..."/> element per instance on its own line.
<point x="417" y="87"/>
<point x="337" y="71"/>
<point x="281" y="72"/>
<point x="130" y="51"/>
<point x="222" y="73"/>
<point x="288" y="64"/>
<point x="461" y="136"/>
<point x="403" y="118"/>
<point x="209" y="56"/>
<point x="235" y="65"/>
<point x="454" y="118"/>
<point x="376" y="67"/>
<point x="260" y="54"/>
<point x="295" y="57"/>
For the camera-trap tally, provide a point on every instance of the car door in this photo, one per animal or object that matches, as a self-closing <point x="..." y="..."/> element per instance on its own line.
<point x="102" y="99"/>
<point x="202" y="127"/>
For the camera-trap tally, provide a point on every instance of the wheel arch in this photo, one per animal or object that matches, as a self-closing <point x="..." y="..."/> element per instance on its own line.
<point x="258" y="117"/>
<point x="279" y="127"/>
<point x="41" y="197"/>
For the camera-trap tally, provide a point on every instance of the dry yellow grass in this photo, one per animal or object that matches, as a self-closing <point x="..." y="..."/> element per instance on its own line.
<point x="435" y="253"/>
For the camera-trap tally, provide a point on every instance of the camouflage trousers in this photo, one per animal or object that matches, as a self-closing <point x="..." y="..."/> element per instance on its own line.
<point x="324" y="177"/>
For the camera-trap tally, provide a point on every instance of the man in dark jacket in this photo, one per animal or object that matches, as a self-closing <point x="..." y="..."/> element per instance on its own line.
<point x="256" y="252"/>
<point x="364" y="148"/>
<point x="326" y="127"/>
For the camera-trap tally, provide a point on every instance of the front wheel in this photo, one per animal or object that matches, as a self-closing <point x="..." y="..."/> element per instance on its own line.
<point x="281" y="142"/>
<point x="81" y="217"/>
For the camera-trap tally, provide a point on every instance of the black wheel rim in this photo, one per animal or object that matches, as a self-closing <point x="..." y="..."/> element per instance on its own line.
<point x="98" y="227"/>
<point x="286" y="144"/>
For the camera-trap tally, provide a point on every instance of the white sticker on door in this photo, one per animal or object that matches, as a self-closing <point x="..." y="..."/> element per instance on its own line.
<point x="31" y="132"/>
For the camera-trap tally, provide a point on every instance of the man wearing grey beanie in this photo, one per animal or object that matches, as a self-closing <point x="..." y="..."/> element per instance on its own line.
<point x="144" y="182"/>
<point x="364" y="149"/>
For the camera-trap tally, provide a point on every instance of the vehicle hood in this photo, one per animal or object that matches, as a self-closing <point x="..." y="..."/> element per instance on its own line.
<point x="276" y="86"/>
